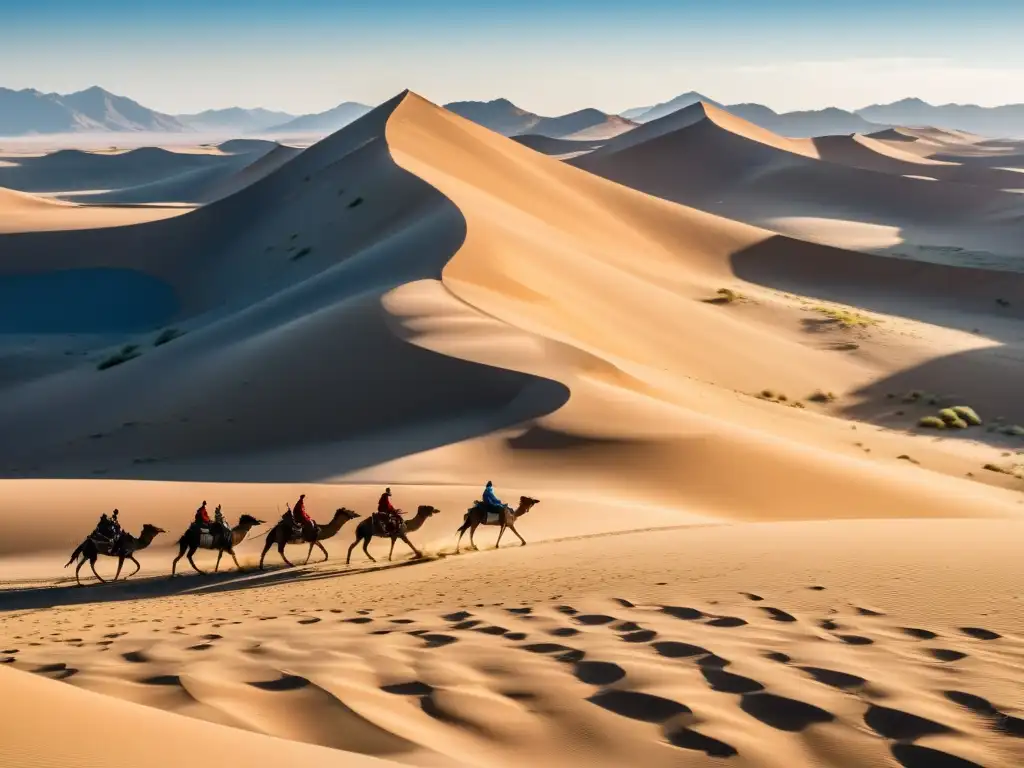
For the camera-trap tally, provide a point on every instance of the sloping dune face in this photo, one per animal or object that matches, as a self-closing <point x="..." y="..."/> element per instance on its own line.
<point x="406" y="289"/>
<point x="833" y="190"/>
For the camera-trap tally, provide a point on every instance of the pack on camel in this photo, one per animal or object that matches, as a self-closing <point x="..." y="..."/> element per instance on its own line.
<point x="286" y="532"/>
<point x="123" y="548"/>
<point x="482" y="514"/>
<point x="380" y="526"/>
<point x="217" y="536"/>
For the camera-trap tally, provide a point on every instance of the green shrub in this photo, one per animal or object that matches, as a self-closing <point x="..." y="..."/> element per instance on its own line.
<point x="127" y="352"/>
<point x="1014" y="430"/>
<point x="166" y="335"/>
<point x="968" y="414"/>
<point x="958" y="424"/>
<point x="948" y="415"/>
<point x="932" y="422"/>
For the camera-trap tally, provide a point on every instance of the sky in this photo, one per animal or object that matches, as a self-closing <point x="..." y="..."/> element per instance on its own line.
<point x="548" y="56"/>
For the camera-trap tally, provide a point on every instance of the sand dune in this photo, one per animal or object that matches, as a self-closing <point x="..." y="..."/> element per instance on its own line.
<point x="418" y="302"/>
<point x="724" y="165"/>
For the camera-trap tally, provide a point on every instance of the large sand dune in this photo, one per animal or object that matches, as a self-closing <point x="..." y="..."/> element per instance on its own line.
<point x="418" y="302"/>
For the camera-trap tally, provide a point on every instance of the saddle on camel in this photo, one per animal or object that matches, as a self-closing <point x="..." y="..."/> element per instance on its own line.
<point x="107" y="533"/>
<point x="210" y="531"/>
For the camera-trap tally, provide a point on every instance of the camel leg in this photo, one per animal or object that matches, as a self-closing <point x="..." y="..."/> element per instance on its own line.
<point x="216" y="566"/>
<point x="280" y="551"/>
<point x="120" y="565"/>
<point x="92" y="564"/>
<point x="138" y="567"/>
<point x="181" y="553"/>
<point x="324" y="550"/>
<point x="309" y="553"/>
<point x="472" y="530"/>
<point x="366" y="547"/>
<point x="406" y="540"/>
<point x="512" y="528"/>
<point x="78" y="570"/>
<point x="266" y="548"/>
<point x="232" y="553"/>
<point x="353" y="546"/>
<point x="462" y="532"/>
<point x="393" y="540"/>
<point x="500" y="534"/>
<point x="192" y="551"/>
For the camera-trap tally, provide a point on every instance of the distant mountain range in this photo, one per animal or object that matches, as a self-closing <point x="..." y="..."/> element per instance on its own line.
<point x="92" y="110"/>
<point x="504" y="117"/>
<point x="234" y="120"/>
<point x="95" y="110"/>
<point x="322" y="122"/>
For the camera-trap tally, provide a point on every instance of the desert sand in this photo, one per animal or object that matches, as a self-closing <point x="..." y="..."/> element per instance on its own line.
<point x="695" y="342"/>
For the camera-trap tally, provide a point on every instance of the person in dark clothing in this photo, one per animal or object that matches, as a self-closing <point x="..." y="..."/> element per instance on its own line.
<point x="202" y="519"/>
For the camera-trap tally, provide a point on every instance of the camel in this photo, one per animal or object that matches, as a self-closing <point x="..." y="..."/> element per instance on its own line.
<point x="125" y="549"/>
<point x="285" y="533"/>
<point x="375" y="526"/>
<point x="506" y="517"/>
<point x="220" y="540"/>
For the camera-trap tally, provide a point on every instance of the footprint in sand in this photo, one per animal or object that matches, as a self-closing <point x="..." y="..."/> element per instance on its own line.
<point x="627" y="626"/>
<point x="358" y="620"/>
<point x="284" y="683"/>
<point x="778" y="656"/>
<point x="915" y="756"/>
<point x="980" y="634"/>
<point x="777" y="614"/>
<point x="312" y="620"/>
<point x="640" y="636"/>
<point x="520" y="611"/>
<point x="783" y="714"/>
<point x="727" y="682"/>
<point x="856" y="639"/>
<point x="438" y="640"/>
<point x="946" y="654"/>
<point x="516" y="636"/>
<point x="684" y="738"/>
<point x="635" y="705"/>
<point x="492" y="630"/>
<point x="836" y="679"/>
<point x="1000" y="721"/>
<point x="828" y="624"/>
<point x="594" y="619"/>
<point x="414" y="688"/>
<point x="918" y="634"/>
<point x="624" y="602"/>
<point x="568" y="610"/>
<point x="752" y="596"/>
<point x="680" y="612"/>
<point x="598" y="672"/>
<point x="868" y="612"/>
<point x="135" y="657"/>
<point x="898" y="725"/>
<point x="563" y="631"/>
<point x="457" y="616"/>
<point x="200" y="647"/>
<point x="728" y="622"/>
<point x="671" y="649"/>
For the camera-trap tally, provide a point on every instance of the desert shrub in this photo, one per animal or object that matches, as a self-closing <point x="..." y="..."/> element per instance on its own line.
<point x="166" y="335"/>
<point x="846" y="318"/>
<point x="996" y="468"/>
<point x="782" y="398"/>
<point x="948" y="415"/>
<point x="968" y="414"/>
<point x="767" y="394"/>
<point x="1014" y="430"/>
<point x="127" y="352"/>
<point x="958" y="424"/>
<point x="914" y="395"/>
<point x="821" y="397"/>
<point x="932" y="422"/>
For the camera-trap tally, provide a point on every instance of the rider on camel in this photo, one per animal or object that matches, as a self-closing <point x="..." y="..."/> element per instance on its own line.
<point x="299" y="514"/>
<point x="490" y="500"/>
<point x="391" y="517"/>
<point x="108" y="527"/>
<point x="202" y="519"/>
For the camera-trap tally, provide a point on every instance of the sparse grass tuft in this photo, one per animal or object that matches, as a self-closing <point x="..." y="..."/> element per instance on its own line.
<point x="968" y="414"/>
<point x="166" y="335"/>
<point x="1014" y="430"/>
<point x="821" y="397"/>
<point x="726" y="296"/>
<point x="997" y="468"/>
<point x="846" y="318"/>
<point x="127" y="352"/>
<point x="932" y="422"/>
<point x="767" y="394"/>
<point x="300" y="253"/>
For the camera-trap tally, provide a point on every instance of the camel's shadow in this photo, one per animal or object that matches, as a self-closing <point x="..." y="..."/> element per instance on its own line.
<point x="66" y="592"/>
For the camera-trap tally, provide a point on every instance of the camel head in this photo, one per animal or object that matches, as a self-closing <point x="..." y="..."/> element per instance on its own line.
<point x="248" y="520"/>
<point x="526" y="504"/>
<point x="348" y="514"/>
<point x="425" y="510"/>
<point x="152" y="530"/>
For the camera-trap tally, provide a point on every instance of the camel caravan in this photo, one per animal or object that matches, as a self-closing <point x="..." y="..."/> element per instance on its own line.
<point x="294" y="527"/>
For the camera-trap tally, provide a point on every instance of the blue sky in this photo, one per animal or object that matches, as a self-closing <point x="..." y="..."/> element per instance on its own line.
<point x="550" y="56"/>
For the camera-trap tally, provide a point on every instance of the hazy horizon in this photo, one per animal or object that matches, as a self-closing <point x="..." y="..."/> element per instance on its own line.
<point x="548" y="57"/>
